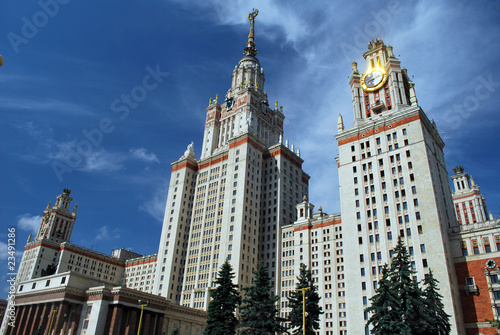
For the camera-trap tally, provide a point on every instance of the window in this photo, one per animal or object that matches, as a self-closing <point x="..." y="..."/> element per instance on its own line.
<point x="389" y="235"/>
<point x="410" y="250"/>
<point x="361" y="258"/>
<point x="414" y="190"/>
<point x="476" y="250"/>
<point x="422" y="247"/>
<point x="494" y="279"/>
<point x="424" y="263"/>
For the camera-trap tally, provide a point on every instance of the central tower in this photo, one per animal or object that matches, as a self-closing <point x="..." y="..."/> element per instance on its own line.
<point x="230" y="203"/>
<point x="245" y="109"/>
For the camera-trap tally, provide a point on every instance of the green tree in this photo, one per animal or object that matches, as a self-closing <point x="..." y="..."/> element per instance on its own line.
<point x="495" y="323"/>
<point x="437" y="319"/>
<point x="313" y="310"/>
<point x="410" y="306"/>
<point x="259" y="314"/>
<point x="398" y="305"/>
<point x="176" y="331"/>
<point x="384" y="318"/>
<point x="221" y="318"/>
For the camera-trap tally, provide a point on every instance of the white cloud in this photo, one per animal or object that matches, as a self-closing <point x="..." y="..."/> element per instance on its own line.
<point x="103" y="161"/>
<point x="105" y="233"/>
<point x="141" y="153"/>
<point x="29" y="222"/>
<point x="155" y="206"/>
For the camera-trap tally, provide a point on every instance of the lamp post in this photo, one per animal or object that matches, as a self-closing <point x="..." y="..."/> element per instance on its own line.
<point x="52" y="320"/>
<point x="303" y="290"/>
<point x="142" y="304"/>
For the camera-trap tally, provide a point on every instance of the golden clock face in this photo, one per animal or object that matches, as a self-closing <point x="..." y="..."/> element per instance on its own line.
<point x="373" y="79"/>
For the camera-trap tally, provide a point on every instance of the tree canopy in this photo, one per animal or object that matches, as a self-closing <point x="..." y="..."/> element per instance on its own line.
<point x="259" y="313"/>
<point x="312" y="307"/>
<point x="399" y="305"/>
<point x="225" y="299"/>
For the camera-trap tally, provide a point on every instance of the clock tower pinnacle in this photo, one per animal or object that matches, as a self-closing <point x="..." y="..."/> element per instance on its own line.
<point x="385" y="86"/>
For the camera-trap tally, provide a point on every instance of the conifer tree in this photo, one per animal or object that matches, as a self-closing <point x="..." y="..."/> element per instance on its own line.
<point x="437" y="319"/>
<point x="404" y="310"/>
<point x="176" y="331"/>
<point x="384" y="318"/>
<point x="259" y="313"/>
<point x="221" y="318"/>
<point x="410" y="307"/>
<point x="313" y="310"/>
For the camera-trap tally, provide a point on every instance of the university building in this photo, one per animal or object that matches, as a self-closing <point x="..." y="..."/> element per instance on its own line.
<point x="245" y="199"/>
<point x="231" y="202"/>
<point x="64" y="288"/>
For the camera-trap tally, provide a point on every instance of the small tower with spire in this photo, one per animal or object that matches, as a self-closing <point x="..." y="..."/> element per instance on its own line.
<point x="57" y="222"/>
<point x="470" y="204"/>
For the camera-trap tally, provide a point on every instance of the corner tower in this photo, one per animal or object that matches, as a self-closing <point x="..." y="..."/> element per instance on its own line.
<point x="41" y="255"/>
<point x="231" y="202"/>
<point x="57" y="222"/>
<point x="393" y="181"/>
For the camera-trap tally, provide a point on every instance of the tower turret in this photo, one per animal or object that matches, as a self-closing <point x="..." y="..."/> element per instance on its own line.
<point x="245" y="107"/>
<point x="384" y="86"/>
<point x="57" y="222"/>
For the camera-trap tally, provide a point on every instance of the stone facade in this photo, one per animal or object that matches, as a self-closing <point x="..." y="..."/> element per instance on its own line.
<point x="230" y="203"/>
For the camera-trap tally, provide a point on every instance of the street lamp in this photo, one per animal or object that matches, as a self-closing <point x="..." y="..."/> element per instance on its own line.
<point x="52" y="320"/>
<point x="303" y="290"/>
<point x="142" y="304"/>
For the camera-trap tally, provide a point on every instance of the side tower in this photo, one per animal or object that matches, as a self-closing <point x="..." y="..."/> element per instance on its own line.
<point x="230" y="203"/>
<point x="393" y="181"/>
<point x="41" y="255"/>
<point x="476" y="250"/>
<point x="470" y="205"/>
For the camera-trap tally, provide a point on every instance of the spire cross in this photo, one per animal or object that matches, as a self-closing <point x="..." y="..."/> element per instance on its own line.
<point x="250" y="49"/>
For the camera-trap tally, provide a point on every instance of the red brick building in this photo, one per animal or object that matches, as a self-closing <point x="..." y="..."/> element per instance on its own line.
<point x="476" y="251"/>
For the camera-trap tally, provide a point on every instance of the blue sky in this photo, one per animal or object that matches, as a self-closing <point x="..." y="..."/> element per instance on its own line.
<point x="70" y="67"/>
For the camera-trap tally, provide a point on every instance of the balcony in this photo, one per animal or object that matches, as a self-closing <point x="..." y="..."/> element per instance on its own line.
<point x="471" y="289"/>
<point x="378" y="107"/>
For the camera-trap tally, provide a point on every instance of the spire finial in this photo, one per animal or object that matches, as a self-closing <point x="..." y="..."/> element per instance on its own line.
<point x="250" y="49"/>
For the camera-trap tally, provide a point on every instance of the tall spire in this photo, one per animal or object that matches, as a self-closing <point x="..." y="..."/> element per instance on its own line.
<point x="250" y="49"/>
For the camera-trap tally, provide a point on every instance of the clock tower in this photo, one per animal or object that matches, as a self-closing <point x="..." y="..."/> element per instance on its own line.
<point x="393" y="182"/>
<point x="384" y="85"/>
